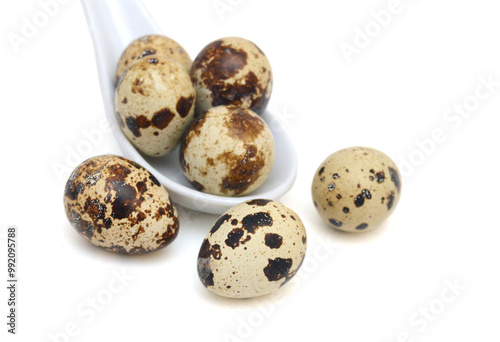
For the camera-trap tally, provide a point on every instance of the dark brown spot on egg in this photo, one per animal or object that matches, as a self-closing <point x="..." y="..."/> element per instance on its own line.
<point x="395" y="178"/>
<point x="107" y="223"/>
<point x="184" y="105"/>
<point x="153" y="61"/>
<point x="141" y="217"/>
<point x="153" y="179"/>
<point x="242" y="125"/>
<point x="253" y="221"/>
<point x="259" y="202"/>
<point x="278" y="268"/>
<point x="360" y="199"/>
<point x="141" y="187"/>
<point x="83" y="227"/>
<point x="127" y="199"/>
<point x="169" y="234"/>
<point x="273" y="241"/>
<point x="321" y="171"/>
<point x="244" y="170"/>
<point x="335" y="222"/>
<point x="304" y="239"/>
<point x="135" y="124"/>
<point x="136" y="87"/>
<point x="219" y="222"/>
<point x="162" y="118"/>
<point x="204" y="271"/>
<point x="260" y="102"/>
<point x="197" y="185"/>
<point x="124" y="100"/>
<point x="390" y="201"/>
<point x="73" y="188"/>
<point x="345" y="210"/>
<point x="148" y="52"/>
<point x="95" y="209"/>
<point x="380" y="177"/>
<point x="139" y="232"/>
<point x="92" y="178"/>
<point x="234" y="237"/>
<point x="362" y="226"/>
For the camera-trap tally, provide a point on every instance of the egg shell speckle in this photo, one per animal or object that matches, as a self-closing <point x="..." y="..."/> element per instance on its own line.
<point x="154" y="101"/>
<point x="229" y="151"/>
<point x="118" y="205"/>
<point x="152" y="45"/>
<point x="232" y="71"/>
<point x="356" y="189"/>
<point x="253" y="249"/>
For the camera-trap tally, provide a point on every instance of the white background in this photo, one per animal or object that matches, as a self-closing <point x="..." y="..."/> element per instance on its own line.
<point x="368" y="287"/>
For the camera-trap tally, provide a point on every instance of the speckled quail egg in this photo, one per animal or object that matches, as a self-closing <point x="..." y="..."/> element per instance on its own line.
<point x="356" y="189"/>
<point x="118" y="205"/>
<point x="232" y="71"/>
<point x="229" y="151"/>
<point x="152" y="45"/>
<point x="253" y="249"/>
<point x="154" y="101"/>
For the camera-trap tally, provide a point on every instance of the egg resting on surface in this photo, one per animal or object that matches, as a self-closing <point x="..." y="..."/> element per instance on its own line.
<point x="229" y="151"/>
<point x="232" y="71"/>
<point x="253" y="249"/>
<point x="120" y="206"/>
<point x="149" y="46"/>
<point x="154" y="101"/>
<point x="356" y="189"/>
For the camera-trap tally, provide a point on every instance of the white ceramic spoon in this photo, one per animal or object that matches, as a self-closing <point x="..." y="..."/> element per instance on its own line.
<point x="113" y="25"/>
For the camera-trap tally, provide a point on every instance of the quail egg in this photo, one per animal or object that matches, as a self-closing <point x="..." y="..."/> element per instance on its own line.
<point x="116" y="204"/>
<point x="229" y="151"/>
<point x="232" y="71"/>
<point x="154" y="101"/>
<point x="356" y="189"/>
<point x="152" y="45"/>
<point x="253" y="249"/>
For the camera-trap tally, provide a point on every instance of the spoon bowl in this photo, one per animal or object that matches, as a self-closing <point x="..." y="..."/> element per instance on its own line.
<point x="113" y="25"/>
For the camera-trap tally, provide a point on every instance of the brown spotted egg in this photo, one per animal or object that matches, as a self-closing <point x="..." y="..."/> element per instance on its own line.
<point x="152" y="45"/>
<point x="154" y="101"/>
<point x="229" y="151"/>
<point x="356" y="189"/>
<point x="116" y="204"/>
<point x="253" y="249"/>
<point x="232" y="71"/>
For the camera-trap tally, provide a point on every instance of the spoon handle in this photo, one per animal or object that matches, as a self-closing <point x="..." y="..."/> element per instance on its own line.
<point x="113" y="25"/>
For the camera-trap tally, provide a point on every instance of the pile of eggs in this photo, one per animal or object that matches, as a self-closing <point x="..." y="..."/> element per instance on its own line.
<point x="212" y="108"/>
